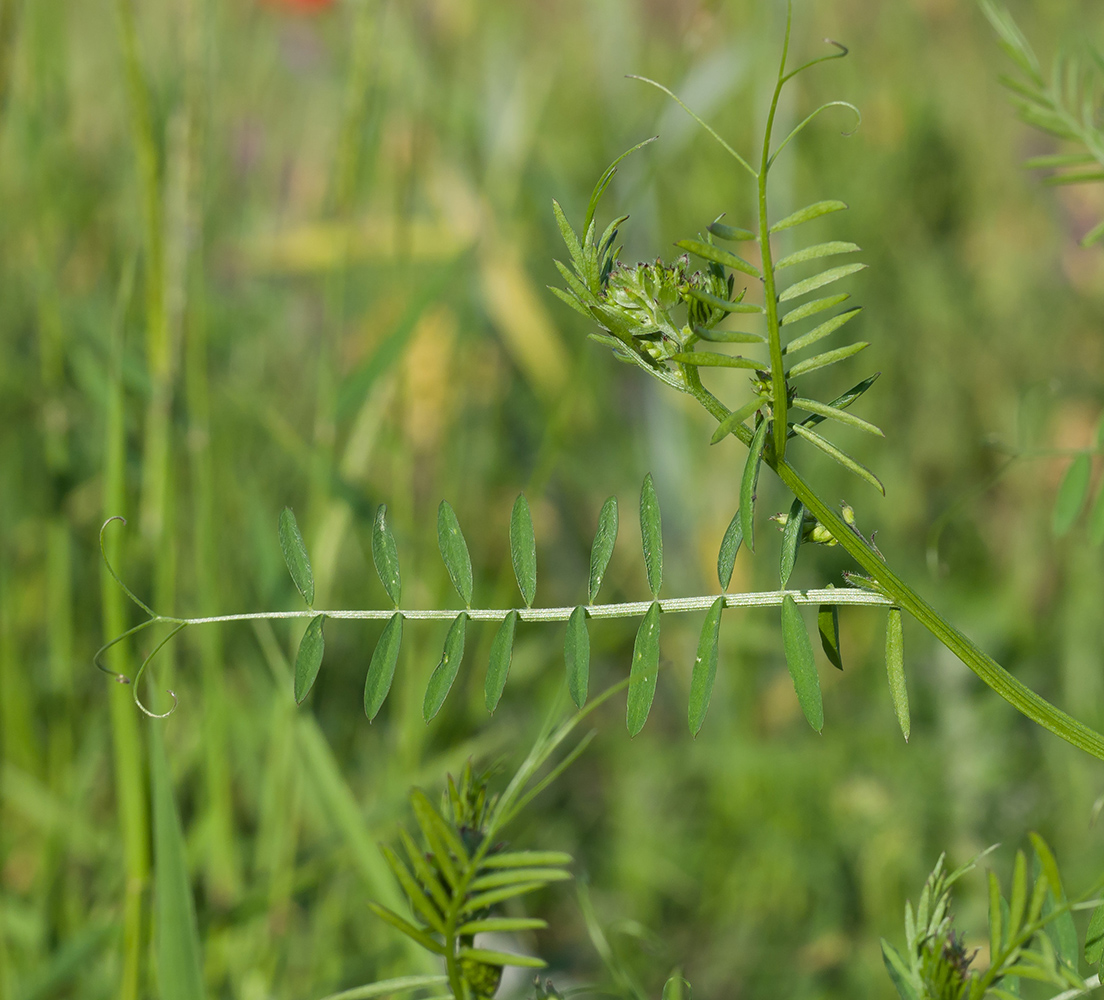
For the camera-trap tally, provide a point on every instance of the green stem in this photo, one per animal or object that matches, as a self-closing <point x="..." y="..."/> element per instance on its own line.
<point x="992" y="673"/>
<point x="780" y="399"/>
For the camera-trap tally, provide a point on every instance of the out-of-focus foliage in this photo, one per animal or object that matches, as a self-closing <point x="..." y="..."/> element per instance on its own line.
<point x="335" y="297"/>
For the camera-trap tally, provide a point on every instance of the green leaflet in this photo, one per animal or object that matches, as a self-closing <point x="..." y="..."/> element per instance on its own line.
<point x="1094" y="937"/>
<point x="732" y="234"/>
<point x="827" y="358"/>
<point x="791" y="541"/>
<point x="730" y="545"/>
<point x="813" y="307"/>
<point x="1071" y="494"/>
<point x="523" y="549"/>
<point x="825" y="329"/>
<point x="799" y="658"/>
<point x="440" y="681"/>
<point x="502" y="650"/>
<point x="729" y="336"/>
<point x="577" y="656"/>
<point x="295" y="555"/>
<point x="651" y="534"/>
<point x="842" y="402"/>
<point x="828" y="626"/>
<point x="705" y="667"/>
<point x="734" y="419"/>
<point x="501" y="958"/>
<point x="309" y="658"/>
<point x="748" y="482"/>
<point x="424" y="939"/>
<point x="454" y="551"/>
<point x="709" y="252"/>
<point x="711" y="359"/>
<point x="644" y="671"/>
<point x="806" y="214"/>
<point x="179" y="953"/>
<point x="571" y="241"/>
<point x="844" y="459"/>
<point x="385" y="555"/>
<point x="899" y="972"/>
<point x="726" y="305"/>
<point x="381" y="669"/>
<point x="833" y="413"/>
<point x="895" y="669"/>
<point x="819" y="281"/>
<point x="602" y="548"/>
<point x="503" y="925"/>
<point x="816" y="251"/>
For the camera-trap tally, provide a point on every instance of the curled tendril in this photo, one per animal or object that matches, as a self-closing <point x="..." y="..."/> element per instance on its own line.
<point x="98" y="658"/>
<point x="142" y="669"/>
<point x="808" y="118"/>
<point x="843" y="50"/>
<point x="115" y="576"/>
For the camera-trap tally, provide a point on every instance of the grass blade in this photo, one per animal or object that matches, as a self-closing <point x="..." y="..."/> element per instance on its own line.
<point x="806" y="214"/>
<point x="523" y="549"/>
<point x="1071" y="495"/>
<point x="816" y="251"/>
<point x="454" y="551"/>
<point x="828" y="626"/>
<point x="385" y="555"/>
<point x="440" y="681"/>
<point x="295" y="555"/>
<point x="602" y="548"/>
<point x="502" y="651"/>
<point x="577" y="656"/>
<point x="748" y="482"/>
<point x="825" y="329"/>
<point x="381" y="669"/>
<point x="644" y="671"/>
<point x="845" y="460"/>
<point x="791" y="540"/>
<point x="309" y="658"/>
<point x="705" y="667"/>
<point x="730" y="545"/>
<point x="651" y="534"/>
<point x="718" y="256"/>
<point x="179" y="958"/>
<point x="819" y="281"/>
<point x="895" y="670"/>
<point x="799" y="658"/>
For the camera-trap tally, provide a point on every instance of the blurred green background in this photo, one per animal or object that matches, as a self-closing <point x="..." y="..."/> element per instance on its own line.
<point x="256" y="255"/>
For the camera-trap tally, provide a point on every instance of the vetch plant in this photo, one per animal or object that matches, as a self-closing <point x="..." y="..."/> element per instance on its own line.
<point x="656" y="316"/>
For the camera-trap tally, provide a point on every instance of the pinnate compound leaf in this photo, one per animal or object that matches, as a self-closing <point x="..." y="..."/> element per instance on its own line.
<point x="440" y="681"/>
<point x="705" y="667"/>
<point x="454" y="551"/>
<point x="811" y="284"/>
<point x="799" y="658"/>
<point x="791" y="540"/>
<point x="309" y="658"/>
<point x="577" y="656"/>
<point x="651" y="534"/>
<point x="381" y="669"/>
<point x="502" y="651"/>
<point x="1071" y="494"/>
<point x="523" y="549"/>
<point x="602" y="548"/>
<point x="385" y="555"/>
<point x="748" y="483"/>
<point x="844" y="459"/>
<point x="718" y="256"/>
<point x="644" y="671"/>
<point x="895" y="670"/>
<point x="815" y="252"/>
<point x="730" y="545"/>
<point x="806" y="214"/>
<point x="828" y="626"/>
<point x="295" y="555"/>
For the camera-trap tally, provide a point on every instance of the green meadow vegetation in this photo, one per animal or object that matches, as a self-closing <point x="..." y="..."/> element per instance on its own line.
<point x="274" y="289"/>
